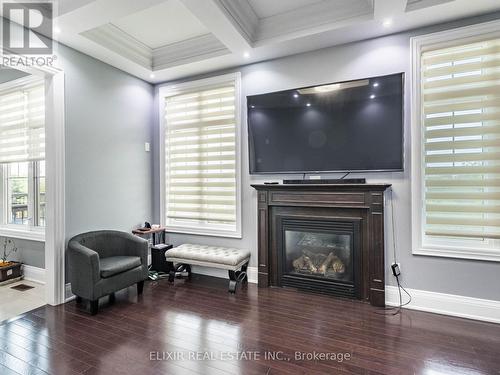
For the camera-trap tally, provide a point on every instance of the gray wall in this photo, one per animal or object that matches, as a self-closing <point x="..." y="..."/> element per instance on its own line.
<point x="379" y="56"/>
<point x="28" y="252"/>
<point x="108" y="119"/>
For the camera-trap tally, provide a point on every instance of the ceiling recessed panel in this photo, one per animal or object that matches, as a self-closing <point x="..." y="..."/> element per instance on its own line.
<point x="267" y="8"/>
<point x="163" y="24"/>
<point x="420" y="4"/>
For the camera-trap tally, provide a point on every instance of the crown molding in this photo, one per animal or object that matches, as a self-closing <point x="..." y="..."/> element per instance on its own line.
<point x="300" y="22"/>
<point x="188" y="51"/>
<point x="242" y="16"/>
<point x="118" y="41"/>
<point x="182" y="52"/>
<point x="312" y="19"/>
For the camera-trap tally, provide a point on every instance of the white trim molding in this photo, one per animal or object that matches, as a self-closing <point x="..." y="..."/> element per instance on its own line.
<point x="35" y="274"/>
<point x="55" y="232"/>
<point x="446" y="304"/>
<point x="420" y="44"/>
<point x="30" y="235"/>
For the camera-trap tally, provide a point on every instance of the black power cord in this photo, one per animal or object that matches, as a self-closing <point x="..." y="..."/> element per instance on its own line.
<point x="395" y="270"/>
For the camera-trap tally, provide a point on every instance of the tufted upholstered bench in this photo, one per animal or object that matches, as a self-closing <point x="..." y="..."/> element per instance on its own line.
<point x="233" y="260"/>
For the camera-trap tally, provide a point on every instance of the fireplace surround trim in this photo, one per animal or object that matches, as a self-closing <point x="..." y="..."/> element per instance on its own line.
<point x="364" y="201"/>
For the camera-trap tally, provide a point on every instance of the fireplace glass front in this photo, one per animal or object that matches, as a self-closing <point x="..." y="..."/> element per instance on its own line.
<point x="319" y="254"/>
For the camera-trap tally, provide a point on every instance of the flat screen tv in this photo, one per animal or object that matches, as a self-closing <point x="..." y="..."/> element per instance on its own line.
<point x="351" y="126"/>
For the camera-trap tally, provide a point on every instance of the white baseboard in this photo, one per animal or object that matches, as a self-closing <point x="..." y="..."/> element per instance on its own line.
<point x="446" y="304"/>
<point x="34" y="274"/>
<point x="216" y="272"/>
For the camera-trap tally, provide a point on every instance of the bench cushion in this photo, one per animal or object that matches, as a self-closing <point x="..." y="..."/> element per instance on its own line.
<point x="212" y="256"/>
<point x="111" y="266"/>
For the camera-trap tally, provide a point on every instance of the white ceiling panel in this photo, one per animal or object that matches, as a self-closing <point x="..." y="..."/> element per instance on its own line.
<point x="163" y="24"/>
<point x="268" y="8"/>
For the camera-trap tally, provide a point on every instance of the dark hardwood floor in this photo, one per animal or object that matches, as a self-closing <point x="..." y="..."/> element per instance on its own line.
<point x="141" y="335"/>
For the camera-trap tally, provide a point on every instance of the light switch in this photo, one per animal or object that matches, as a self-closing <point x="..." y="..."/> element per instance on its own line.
<point x="147" y="147"/>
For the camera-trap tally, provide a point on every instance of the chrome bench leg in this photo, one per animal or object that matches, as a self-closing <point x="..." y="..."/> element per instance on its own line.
<point x="237" y="276"/>
<point x="232" y="281"/>
<point x="177" y="269"/>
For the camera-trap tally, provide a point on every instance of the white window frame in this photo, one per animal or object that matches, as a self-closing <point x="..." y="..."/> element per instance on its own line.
<point x="175" y="89"/>
<point x="473" y="249"/>
<point x="33" y="231"/>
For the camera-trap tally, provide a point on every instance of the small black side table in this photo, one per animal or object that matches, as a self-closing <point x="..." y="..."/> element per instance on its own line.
<point x="158" y="248"/>
<point x="158" y="261"/>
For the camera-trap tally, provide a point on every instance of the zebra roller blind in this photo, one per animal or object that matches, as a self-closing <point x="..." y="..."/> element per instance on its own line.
<point x="200" y="144"/>
<point x="22" y="124"/>
<point x="461" y="119"/>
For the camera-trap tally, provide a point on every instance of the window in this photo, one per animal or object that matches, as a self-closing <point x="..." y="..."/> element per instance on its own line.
<point x="22" y="153"/>
<point x="201" y="186"/>
<point x="457" y="205"/>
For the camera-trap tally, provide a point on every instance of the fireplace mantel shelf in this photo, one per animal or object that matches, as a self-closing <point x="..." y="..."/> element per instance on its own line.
<point x="362" y="202"/>
<point x="321" y="186"/>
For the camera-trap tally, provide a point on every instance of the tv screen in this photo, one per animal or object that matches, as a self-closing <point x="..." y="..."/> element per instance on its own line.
<point x="345" y="126"/>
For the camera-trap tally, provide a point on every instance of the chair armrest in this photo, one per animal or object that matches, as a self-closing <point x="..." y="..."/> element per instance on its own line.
<point x="84" y="263"/>
<point x="136" y="246"/>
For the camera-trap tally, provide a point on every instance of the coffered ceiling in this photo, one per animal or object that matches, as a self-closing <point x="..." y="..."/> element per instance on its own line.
<point x="160" y="40"/>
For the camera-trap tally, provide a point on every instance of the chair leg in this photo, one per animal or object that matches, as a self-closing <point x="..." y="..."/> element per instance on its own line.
<point x="140" y="287"/>
<point x="94" y="306"/>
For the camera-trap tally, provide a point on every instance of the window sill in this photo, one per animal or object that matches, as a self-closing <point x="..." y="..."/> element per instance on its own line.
<point x="202" y="232"/>
<point x="473" y="254"/>
<point x="31" y="235"/>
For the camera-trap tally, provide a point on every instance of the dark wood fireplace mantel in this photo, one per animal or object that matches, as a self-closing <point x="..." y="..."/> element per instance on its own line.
<point x="363" y="202"/>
